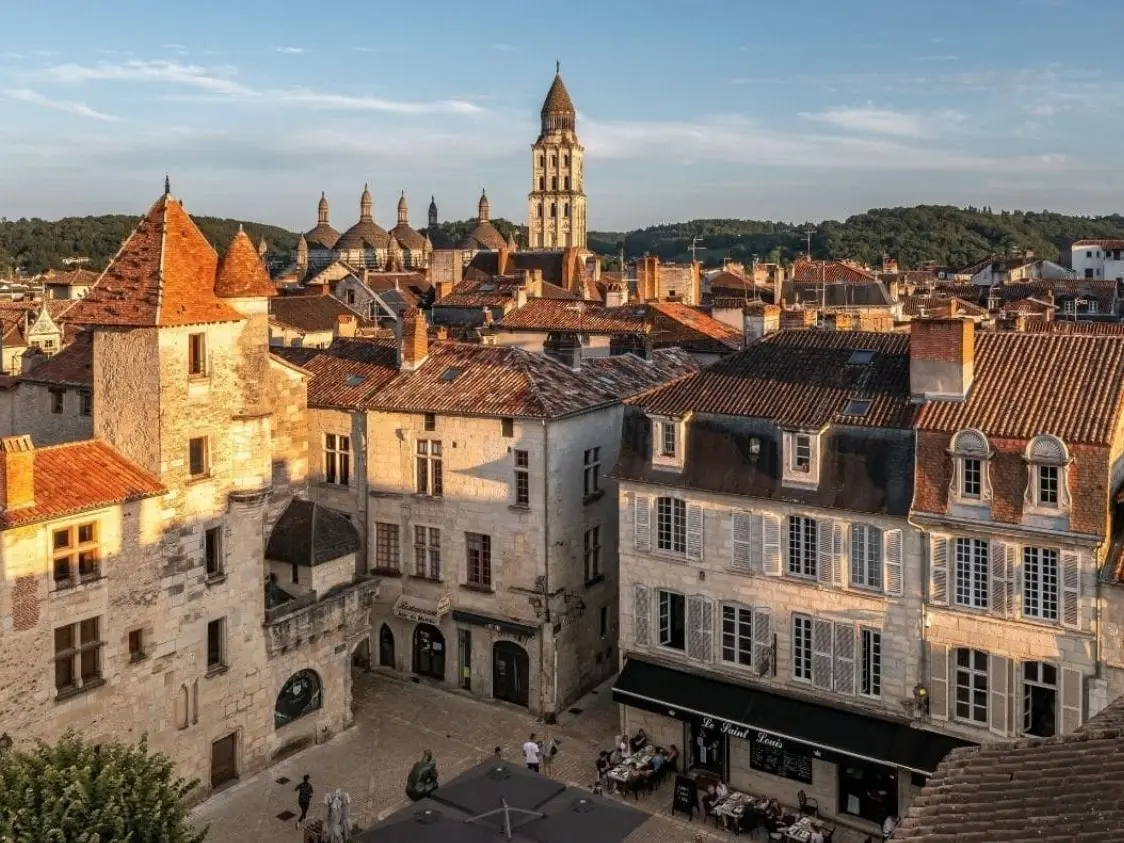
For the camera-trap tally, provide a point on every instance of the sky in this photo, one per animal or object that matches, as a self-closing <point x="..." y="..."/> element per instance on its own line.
<point x="795" y="110"/>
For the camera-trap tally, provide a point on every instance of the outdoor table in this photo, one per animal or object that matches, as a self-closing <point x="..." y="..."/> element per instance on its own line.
<point x="800" y="831"/>
<point x="733" y="806"/>
<point x="638" y="759"/>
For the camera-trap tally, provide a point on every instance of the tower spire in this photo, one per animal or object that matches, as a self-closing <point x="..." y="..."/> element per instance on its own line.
<point x="167" y="185"/>
<point x="557" y="68"/>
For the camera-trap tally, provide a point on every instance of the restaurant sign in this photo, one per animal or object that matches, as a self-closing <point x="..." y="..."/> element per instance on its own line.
<point x="422" y="611"/>
<point x="733" y="730"/>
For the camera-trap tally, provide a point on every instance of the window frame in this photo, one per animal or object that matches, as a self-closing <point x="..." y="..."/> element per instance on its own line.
<point x="427" y="552"/>
<point x="429" y="476"/>
<point x="58" y="400"/>
<point x="976" y="683"/>
<point x="665" y="632"/>
<point x="808" y="547"/>
<point x="137" y="651"/>
<point x="675" y="521"/>
<point x="870" y="662"/>
<point x="388" y="546"/>
<point x="974" y="572"/>
<point x="591" y="554"/>
<point x="76" y="654"/>
<point x="802" y="453"/>
<point x="669" y="440"/>
<point x="85" y="403"/>
<point x="737" y="636"/>
<point x="870" y="567"/>
<point x="478" y="560"/>
<point x="801" y="662"/>
<point x="213" y="557"/>
<point x="1037" y="588"/>
<point x="204" y="457"/>
<point x="521" y="467"/>
<point x="217" y="649"/>
<point x="337" y="459"/>
<point x="73" y="555"/>
<point x="591" y="471"/>
<point x="197" y="355"/>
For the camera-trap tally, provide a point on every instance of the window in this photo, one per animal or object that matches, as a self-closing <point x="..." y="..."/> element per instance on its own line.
<point x="522" y="479"/>
<point x="216" y="644"/>
<point x="197" y="355"/>
<point x="56" y="400"/>
<point x="212" y="551"/>
<point x="866" y="556"/>
<point x="667" y="439"/>
<point x="970" y="455"/>
<point x="972" y="573"/>
<point x="136" y="645"/>
<point x="77" y="655"/>
<point x="542" y="183"/>
<point x="1040" y="699"/>
<point x="430" y="421"/>
<point x="673" y="620"/>
<point x="604" y="621"/>
<point x="553" y="160"/>
<point x="1092" y="306"/>
<point x="870" y="671"/>
<point x="802" y="453"/>
<point x="479" y="550"/>
<point x="671" y="525"/>
<point x="429" y="468"/>
<point x="507" y="428"/>
<point x="554" y="182"/>
<point x="197" y="456"/>
<point x="1046" y="458"/>
<point x="1040" y="583"/>
<point x="565" y="160"/>
<point x="971" y="685"/>
<point x="85" y="404"/>
<point x="427" y="552"/>
<point x="592" y="469"/>
<point x="592" y="552"/>
<point x="737" y="635"/>
<point x="553" y="210"/>
<point x="74" y="555"/>
<point x="337" y="459"/>
<point x="802" y="546"/>
<point x="386" y="547"/>
<point x="566" y="209"/>
<point x="802" y="647"/>
<point x="1048" y="485"/>
<point x="567" y="182"/>
<point x="972" y="478"/>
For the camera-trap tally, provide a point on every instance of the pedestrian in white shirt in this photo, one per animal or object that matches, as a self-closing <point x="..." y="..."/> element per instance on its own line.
<point x="531" y="753"/>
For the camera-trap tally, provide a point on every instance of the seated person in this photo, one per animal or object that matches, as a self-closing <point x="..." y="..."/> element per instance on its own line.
<point x="721" y="790"/>
<point x="603" y="764"/>
<point x="622" y="745"/>
<point x="658" y="761"/>
<point x="673" y="758"/>
<point x="639" y="741"/>
<point x="773" y="809"/>
<point x="817" y="836"/>
<point x="709" y="798"/>
<point x="615" y="757"/>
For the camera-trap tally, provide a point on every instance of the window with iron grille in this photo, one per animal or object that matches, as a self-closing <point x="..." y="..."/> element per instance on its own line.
<point x="592" y="468"/>
<point x="522" y="478"/>
<point x="427" y="552"/>
<point x="866" y="556"/>
<point x="75" y="555"/>
<point x="479" y="549"/>
<point x="337" y="459"/>
<point x="737" y="635"/>
<point x="972" y="573"/>
<point x="1040" y="583"/>
<point x="77" y="655"/>
<point x="671" y="525"/>
<point x="592" y="552"/>
<point x="429" y="467"/>
<point x="870" y="670"/>
<point x="673" y="619"/>
<point x="802" y="647"/>
<point x="387" y="546"/>
<point x="802" y="548"/>
<point x="971" y="685"/>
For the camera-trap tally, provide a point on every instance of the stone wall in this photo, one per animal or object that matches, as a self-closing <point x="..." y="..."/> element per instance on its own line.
<point x="31" y="413"/>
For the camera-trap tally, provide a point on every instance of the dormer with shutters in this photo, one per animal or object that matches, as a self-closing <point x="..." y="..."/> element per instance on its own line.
<point x="669" y="442"/>
<point x="802" y="450"/>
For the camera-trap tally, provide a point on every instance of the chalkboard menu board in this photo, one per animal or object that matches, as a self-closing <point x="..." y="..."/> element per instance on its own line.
<point x="770" y="754"/>
<point x="686" y="796"/>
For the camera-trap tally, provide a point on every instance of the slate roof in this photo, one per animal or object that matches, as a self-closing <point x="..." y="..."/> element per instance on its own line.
<point x="309" y="534"/>
<point x="1025" y="384"/>
<point x="626" y="375"/>
<point x="346" y="371"/>
<point x="241" y="272"/>
<point x="311" y="313"/>
<point x="163" y="275"/>
<point x="1053" y="790"/>
<point x="73" y="366"/>
<point x="106" y="477"/>
<point x="497" y="291"/>
<point x="550" y="263"/>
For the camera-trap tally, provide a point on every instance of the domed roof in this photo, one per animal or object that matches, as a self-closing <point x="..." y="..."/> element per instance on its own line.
<point x="322" y="237"/>
<point x="407" y="238"/>
<point x="485" y="237"/>
<point x="402" y="203"/>
<point x="558" y="98"/>
<point x="241" y="273"/>
<point x="365" y="234"/>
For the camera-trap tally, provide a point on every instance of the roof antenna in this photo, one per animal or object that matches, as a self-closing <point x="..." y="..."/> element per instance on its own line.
<point x="167" y="185"/>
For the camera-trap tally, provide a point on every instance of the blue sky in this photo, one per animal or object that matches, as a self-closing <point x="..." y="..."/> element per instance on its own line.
<point x="803" y="109"/>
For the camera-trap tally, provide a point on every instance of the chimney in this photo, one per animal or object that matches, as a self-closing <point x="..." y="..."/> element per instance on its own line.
<point x="759" y="319"/>
<point x="1049" y="297"/>
<point x="17" y="472"/>
<point x="345" y="325"/>
<point x="941" y="357"/>
<point x="502" y="260"/>
<point x="616" y="294"/>
<point x="894" y="290"/>
<point x="520" y="296"/>
<point x="413" y="347"/>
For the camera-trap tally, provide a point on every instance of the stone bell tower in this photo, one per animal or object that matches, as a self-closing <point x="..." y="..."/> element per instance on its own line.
<point x="556" y="203"/>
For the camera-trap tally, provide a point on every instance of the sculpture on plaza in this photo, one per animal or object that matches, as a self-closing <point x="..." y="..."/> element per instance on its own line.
<point x="422" y="780"/>
<point x="337" y="818"/>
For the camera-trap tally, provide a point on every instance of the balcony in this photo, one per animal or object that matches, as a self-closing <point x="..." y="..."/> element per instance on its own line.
<point x="294" y="621"/>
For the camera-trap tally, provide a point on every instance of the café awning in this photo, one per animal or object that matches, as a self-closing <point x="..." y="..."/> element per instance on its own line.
<point x="686" y="696"/>
<point x="422" y="611"/>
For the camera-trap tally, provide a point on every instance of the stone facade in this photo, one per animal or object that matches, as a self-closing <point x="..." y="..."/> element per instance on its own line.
<point x="556" y="205"/>
<point x="52" y="414"/>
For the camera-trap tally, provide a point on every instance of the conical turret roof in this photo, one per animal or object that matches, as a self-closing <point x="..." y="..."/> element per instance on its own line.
<point x="241" y="273"/>
<point x="558" y="98"/>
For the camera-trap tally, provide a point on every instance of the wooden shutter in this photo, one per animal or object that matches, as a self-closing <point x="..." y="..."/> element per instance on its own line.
<point x="1071" y="588"/>
<point x="822" y="655"/>
<point x="892" y="562"/>
<point x="763" y="641"/>
<point x="700" y="627"/>
<point x="838" y="556"/>
<point x="999" y="694"/>
<point x="642" y="522"/>
<point x="1072" y="696"/>
<point x="642" y="615"/>
<point x="844" y="658"/>
<point x="938" y="681"/>
<point x="694" y="532"/>
<point x="825" y="546"/>
<point x="1000" y="556"/>
<point x="771" y="544"/>
<point x="741" y="535"/>
<point x="938" y="570"/>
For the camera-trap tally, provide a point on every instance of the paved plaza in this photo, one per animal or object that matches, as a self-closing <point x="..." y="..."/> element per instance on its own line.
<point x="395" y="720"/>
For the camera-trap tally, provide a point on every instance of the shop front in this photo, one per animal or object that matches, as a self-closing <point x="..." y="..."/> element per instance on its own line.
<point x="854" y="766"/>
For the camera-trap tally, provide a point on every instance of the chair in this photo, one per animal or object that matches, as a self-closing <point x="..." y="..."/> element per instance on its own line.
<point x="828" y="833"/>
<point x="748" y="822"/>
<point x="808" y="806"/>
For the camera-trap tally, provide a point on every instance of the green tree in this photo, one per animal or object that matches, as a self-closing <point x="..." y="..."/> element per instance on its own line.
<point x="75" y="792"/>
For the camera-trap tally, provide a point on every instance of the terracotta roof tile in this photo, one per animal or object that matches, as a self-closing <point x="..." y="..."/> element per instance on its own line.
<point x="938" y="305"/>
<point x="558" y="98"/>
<point x="73" y="278"/>
<point x="1104" y="244"/>
<point x="311" y="313"/>
<point x="803" y="379"/>
<point x="1067" y="326"/>
<point x="346" y="371"/>
<point x="676" y="323"/>
<point x="626" y="375"/>
<point x="80" y="476"/>
<point x="73" y="366"/>
<point x="1026" y="384"/>
<point x="828" y="271"/>
<point x="241" y="272"/>
<point x="164" y="275"/>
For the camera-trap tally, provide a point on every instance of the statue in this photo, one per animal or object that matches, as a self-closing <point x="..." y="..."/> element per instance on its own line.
<point x="337" y="819"/>
<point x="422" y="780"/>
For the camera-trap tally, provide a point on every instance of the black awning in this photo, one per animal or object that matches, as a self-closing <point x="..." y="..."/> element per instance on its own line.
<point x="513" y="628"/>
<point x="686" y="696"/>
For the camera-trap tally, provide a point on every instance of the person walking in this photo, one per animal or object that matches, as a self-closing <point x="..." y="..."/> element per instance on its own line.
<point x="549" y="750"/>
<point x="532" y="753"/>
<point x="304" y="798"/>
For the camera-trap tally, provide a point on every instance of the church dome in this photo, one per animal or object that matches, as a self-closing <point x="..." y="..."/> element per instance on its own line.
<point x="323" y="236"/>
<point x="365" y="234"/>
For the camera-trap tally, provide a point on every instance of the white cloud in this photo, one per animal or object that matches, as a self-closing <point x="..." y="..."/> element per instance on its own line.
<point x="362" y="49"/>
<point x="29" y="96"/>
<point x="945" y="57"/>
<point x="293" y="51"/>
<point x="44" y="53"/>
<point x="11" y="55"/>
<point x="881" y="121"/>
<point x="504" y="48"/>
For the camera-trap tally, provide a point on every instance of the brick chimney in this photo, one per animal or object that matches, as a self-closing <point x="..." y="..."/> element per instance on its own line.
<point x="941" y="358"/>
<point x="413" y="345"/>
<point x="345" y="325"/>
<point x="503" y="260"/>
<point x="17" y="472"/>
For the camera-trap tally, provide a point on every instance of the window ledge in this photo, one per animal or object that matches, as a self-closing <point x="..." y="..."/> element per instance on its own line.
<point x="518" y="507"/>
<point x="136" y="658"/>
<point x="425" y="497"/>
<point x="597" y="580"/>
<point x="215" y="579"/>
<point x="217" y="670"/>
<point x="76" y="587"/>
<point x="424" y="578"/>
<point x="193" y="479"/>
<point x="479" y="589"/>
<point x="386" y="572"/>
<point x="593" y="498"/>
<point x="328" y="484"/>
<point x="77" y="690"/>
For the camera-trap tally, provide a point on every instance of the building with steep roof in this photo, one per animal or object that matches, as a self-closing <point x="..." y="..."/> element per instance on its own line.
<point x="556" y="204"/>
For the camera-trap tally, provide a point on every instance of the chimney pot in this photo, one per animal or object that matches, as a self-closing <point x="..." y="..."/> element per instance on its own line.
<point x="17" y="472"/>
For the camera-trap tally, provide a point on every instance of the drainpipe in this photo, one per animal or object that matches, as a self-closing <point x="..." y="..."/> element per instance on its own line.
<point x="548" y="716"/>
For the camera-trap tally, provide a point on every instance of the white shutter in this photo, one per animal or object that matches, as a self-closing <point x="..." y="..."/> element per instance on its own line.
<point x="844" y="658"/>
<point x="838" y="557"/>
<point x="694" y="532"/>
<point x="741" y="538"/>
<point x="1000" y="554"/>
<point x="938" y="681"/>
<point x="999" y="694"/>
<point x="700" y="627"/>
<point x="822" y="655"/>
<point x="825" y="556"/>
<point x="642" y="615"/>
<point x="763" y="641"/>
<point x="938" y="570"/>
<point x="892" y="562"/>
<point x="1071" y="588"/>
<point x="642" y="522"/>
<point x="1072" y="695"/>
<point x="771" y="544"/>
<point x="756" y="543"/>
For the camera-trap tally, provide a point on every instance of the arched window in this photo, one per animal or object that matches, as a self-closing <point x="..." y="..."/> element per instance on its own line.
<point x="971" y="483"/>
<point x="565" y="160"/>
<point x="566" y="209"/>
<point x="542" y="182"/>
<point x="181" y="708"/>
<point x="553" y="160"/>
<point x="1047" y="486"/>
<point x="301" y="695"/>
<point x="554" y="182"/>
<point x="540" y="212"/>
<point x="540" y="162"/>
<point x="553" y="210"/>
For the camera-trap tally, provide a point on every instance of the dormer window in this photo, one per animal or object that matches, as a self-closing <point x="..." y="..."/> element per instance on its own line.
<point x="802" y="453"/>
<point x="971" y="484"/>
<point x="802" y="458"/>
<point x="668" y="439"/>
<point x="1047" y="459"/>
<point x="668" y="442"/>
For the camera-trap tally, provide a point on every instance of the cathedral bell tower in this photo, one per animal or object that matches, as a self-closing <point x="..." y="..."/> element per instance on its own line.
<point x="556" y="203"/>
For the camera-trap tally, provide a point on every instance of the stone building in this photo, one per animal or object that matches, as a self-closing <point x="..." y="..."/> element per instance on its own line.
<point x="556" y="205"/>
<point x="134" y="596"/>
<point x="366" y="245"/>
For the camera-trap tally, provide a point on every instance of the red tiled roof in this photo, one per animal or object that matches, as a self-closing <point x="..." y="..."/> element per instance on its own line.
<point x="310" y="313"/>
<point x="1068" y="326"/>
<point x="1029" y="305"/>
<point x="826" y="271"/>
<point x="939" y="306"/>
<point x="1026" y="384"/>
<point x="73" y="366"/>
<point x="680" y="324"/>
<point x="80" y="476"/>
<point x="73" y="278"/>
<point x="625" y="375"/>
<point x="1104" y="244"/>
<point x="164" y="275"/>
<point x="241" y="272"/>
<point x="800" y="379"/>
<point x="346" y="371"/>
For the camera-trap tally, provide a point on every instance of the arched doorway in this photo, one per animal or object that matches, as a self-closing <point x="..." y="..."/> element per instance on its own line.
<point x="361" y="655"/>
<point x="302" y="694"/>
<point x="386" y="646"/>
<point x="429" y="651"/>
<point x="510" y="672"/>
